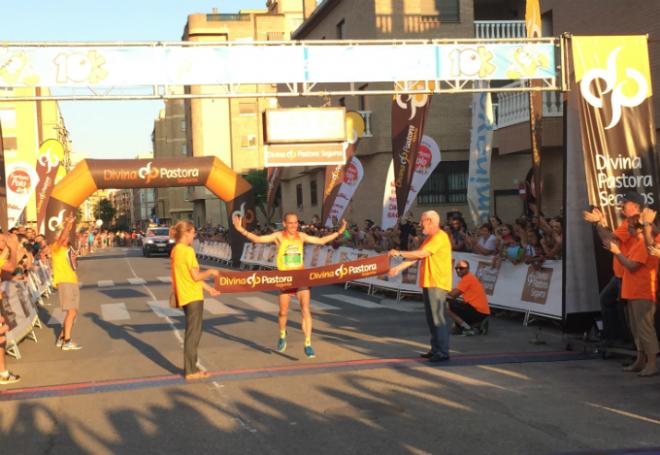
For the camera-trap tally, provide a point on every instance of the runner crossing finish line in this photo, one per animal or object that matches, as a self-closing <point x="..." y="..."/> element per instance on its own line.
<point x="290" y="252"/>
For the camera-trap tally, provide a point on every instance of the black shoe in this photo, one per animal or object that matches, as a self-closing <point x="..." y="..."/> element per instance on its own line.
<point x="427" y="355"/>
<point x="484" y="326"/>
<point x="435" y="358"/>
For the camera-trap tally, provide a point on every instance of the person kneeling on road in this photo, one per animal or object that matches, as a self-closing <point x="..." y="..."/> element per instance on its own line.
<point x="474" y="308"/>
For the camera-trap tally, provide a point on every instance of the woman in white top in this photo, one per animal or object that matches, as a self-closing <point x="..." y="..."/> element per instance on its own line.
<point x="485" y="243"/>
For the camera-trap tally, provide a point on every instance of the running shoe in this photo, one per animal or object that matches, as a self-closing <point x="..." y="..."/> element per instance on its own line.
<point x="309" y="352"/>
<point x="281" y="344"/>
<point x="59" y="342"/>
<point x="9" y="378"/>
<point x="468" y="332"/>
<point x="71" y="346"/>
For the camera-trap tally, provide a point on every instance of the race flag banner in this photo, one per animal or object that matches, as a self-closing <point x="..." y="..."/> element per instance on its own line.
<point x="334" y="175"/>
<point x="273" y="280"/>
<point x="352" y="177"/>
<point x="616" y="119"/>
<point x="390" y="214"/>
<point x="51" y="155"/>
<point x="274" y="176"/>
<point x="408" y="117"/>
<point x="534" y="28"/>
<point x="22" y="180"/>
<point x="428" y="158"/>
<point x="481" y="141"/>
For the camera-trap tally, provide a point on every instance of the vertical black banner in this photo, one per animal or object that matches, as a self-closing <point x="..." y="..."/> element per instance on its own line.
<point x="616" y="117"/>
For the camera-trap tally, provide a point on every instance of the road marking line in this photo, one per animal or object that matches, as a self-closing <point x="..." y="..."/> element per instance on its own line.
<point x="137" y="281"/>
<point x="323" y="306"/>
<point x="216" y="307"/>
<point x="353" y="301"/>
<point x="106" y="283"/>
<point x="114" y="312"/>
<point x="406" y="307"/>
<point x="260" y="304"/>
<point x="315" y="305"/>
<point x="625" y="413"/>
<point x="164" y="279"/>
<point x="176" y="332"/>
<point x="56" y="317"/>
<point x="162" y="308"/>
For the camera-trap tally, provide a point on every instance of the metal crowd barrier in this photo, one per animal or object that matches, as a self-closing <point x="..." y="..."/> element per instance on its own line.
<point x="19" y="305"/>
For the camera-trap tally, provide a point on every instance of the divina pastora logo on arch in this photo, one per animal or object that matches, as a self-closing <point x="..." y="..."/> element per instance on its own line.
<point x="150" y="173"/>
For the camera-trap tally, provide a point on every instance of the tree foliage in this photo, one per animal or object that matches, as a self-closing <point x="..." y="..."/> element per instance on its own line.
<point x="259" y="181"/>
<point x="105" y="211"/>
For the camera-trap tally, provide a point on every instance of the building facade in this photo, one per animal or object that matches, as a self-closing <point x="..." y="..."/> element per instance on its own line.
<point x="169" y="141"/>
<point x="449" y="118"/>
<point x="231" y="129"/>
<point x="143" y="201"/>
<point x="25" y="126"/>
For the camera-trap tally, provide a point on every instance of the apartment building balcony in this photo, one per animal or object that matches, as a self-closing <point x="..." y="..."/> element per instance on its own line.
<point x="499" y="29"/>
<point x="513" y="107"/>
<point x="512" y="120"/>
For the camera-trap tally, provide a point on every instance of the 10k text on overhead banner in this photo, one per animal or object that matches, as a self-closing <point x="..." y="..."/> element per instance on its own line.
<point x="286" y="63"/>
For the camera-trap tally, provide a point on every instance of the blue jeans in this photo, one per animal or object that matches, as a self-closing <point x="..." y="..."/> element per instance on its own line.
<point x="435" y="307"/>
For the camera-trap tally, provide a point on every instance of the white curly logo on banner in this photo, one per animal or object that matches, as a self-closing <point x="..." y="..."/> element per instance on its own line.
<point x="416" y="100"/>
<point x="49" y="160"/>
<point x="617" y="99"/>
<point x="55" y="221"/>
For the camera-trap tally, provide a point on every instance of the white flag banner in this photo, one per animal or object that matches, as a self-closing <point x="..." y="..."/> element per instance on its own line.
<point x="428" y="158"/>
<point x="481" y="141"/>
<point x="353" y="175"/>
<point x="389" y="200"/>
<point x="22" y="180"/>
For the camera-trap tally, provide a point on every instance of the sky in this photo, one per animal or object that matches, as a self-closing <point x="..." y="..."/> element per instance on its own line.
<point x="107" y="129"/>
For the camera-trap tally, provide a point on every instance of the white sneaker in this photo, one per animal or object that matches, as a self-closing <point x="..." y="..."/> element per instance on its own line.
<point x="9" y="378"/>
<point x="71" y="346"/>
<point x="59" y="342"/>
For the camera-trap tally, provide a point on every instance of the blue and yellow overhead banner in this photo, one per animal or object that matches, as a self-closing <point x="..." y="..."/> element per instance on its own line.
<point x="291" y="62"/>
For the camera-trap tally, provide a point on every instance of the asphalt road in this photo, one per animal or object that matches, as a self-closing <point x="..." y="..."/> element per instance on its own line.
<point x="366" y="392"/>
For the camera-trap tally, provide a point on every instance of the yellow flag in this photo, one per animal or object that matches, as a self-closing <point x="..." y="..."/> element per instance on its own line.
<point x="533" y="19"/>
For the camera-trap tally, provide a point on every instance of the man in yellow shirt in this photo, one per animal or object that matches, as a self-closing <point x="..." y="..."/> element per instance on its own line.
<point x="66" y="280"/>
<point x="435" y="279"/>
<point x="8" y="257"/>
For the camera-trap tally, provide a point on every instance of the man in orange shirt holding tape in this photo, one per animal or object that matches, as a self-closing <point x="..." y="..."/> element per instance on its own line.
<point x="290" y="253"/>
<point x="435" y="279"/>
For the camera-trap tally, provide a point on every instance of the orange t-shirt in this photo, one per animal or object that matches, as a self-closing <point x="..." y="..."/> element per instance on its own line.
<point x="473" y="293"/>
<point x="621" y="233"/>
<point x="435" y="270"/>
<point x="642" y="283"/>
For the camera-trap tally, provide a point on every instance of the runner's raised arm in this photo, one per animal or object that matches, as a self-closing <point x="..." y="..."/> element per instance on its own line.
<point x="237" y="220"/>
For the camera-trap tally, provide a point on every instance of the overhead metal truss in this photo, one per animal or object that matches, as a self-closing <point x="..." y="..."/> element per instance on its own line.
<point x="161" y="91"/>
